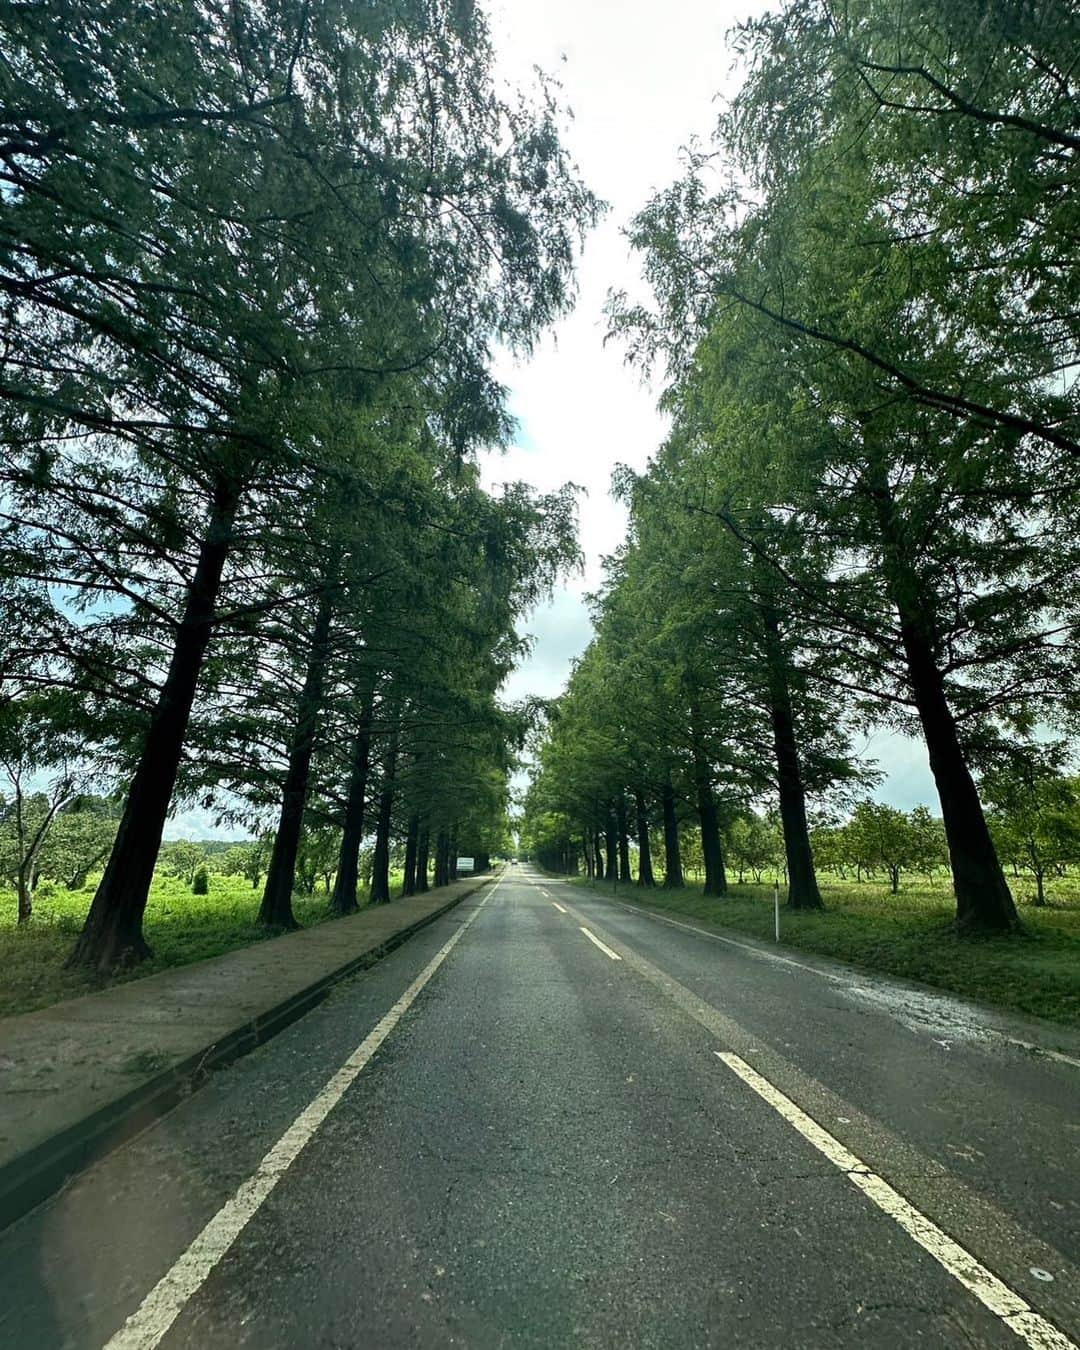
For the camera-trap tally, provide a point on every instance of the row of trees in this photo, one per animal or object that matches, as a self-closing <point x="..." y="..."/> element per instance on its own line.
<point x="253" y="262"/>
<point x="318" y="857"/>
<point x="1036" y="832"/>
<point x="64" y="843"/>
<point x="864" y="514"/>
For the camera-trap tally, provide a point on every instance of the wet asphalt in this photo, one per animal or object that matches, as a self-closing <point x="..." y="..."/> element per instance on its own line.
<point x="546" y="1151"/>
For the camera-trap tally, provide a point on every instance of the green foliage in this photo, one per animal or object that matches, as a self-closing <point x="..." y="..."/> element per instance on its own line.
<point x="317" y="859"/>
<point x="182" y="858"/>
<point x="200" y="882"/>
<point x="754" y="845"/>
<point x="1035" y="820"/>
<point x="879" y="837"/>
<point x="244" y="860"/>
<point x="79" y="842"/>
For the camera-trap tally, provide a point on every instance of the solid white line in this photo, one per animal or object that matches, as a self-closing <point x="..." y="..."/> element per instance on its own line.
<point x="558" y="906"/>
<point x="995" y="1295"/>
<point x="1041" y="1050"/>
<point x="163" y="1305"/>
<point x="602" y="945"/>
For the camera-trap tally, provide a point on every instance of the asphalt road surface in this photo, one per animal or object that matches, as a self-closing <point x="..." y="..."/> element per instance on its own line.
<point x="550" y="1120"/>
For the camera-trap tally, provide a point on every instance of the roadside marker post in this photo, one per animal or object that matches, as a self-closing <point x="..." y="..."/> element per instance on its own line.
<point x="776" y="907"/>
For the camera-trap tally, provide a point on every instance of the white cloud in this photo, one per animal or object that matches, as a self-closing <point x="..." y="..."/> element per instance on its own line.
<point x="908" y="781"/>
<point x="195" y="823"/>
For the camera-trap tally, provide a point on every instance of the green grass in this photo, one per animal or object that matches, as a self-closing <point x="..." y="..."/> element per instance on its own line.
<point x="911" y="934"/>
<point x="179" y="926"/>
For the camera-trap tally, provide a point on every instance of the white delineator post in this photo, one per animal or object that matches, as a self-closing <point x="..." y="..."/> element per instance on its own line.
<point x="776" y="908"/>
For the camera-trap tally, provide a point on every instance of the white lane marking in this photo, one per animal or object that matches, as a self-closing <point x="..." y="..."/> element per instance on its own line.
<point x="164" y="1303"/>
<point x="993" y="1293"/>
<point x="1041" y="1050"/>
<point x="1038" y="1050"/>
<point x="558" y="906"/>
<point x="602" y="945"/>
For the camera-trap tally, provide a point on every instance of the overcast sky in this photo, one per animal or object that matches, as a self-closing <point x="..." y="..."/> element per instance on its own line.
<point x="641" y="80"/>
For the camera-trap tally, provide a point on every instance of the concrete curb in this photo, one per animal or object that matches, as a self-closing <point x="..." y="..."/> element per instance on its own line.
<point x="31" y="1177"/>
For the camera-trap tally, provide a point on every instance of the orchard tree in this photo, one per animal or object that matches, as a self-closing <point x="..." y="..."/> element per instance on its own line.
<point x="753" y="845"/>
<point x="881" y="836"/>
<point x="33" y="746"/>
<point x="1035" y="815"/>
<point x="79" y="841"/>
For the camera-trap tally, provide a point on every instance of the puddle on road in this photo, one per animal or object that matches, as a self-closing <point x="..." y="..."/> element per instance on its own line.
<point x="944" y="1018"/>
<point x="949" y="1021"/>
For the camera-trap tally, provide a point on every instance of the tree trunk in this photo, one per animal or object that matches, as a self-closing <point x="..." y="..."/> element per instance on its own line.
<point x="451" y="861"/>
<point x="26" y="897"/>
<point x="624" y="841"/>
<point x="344" y="898"/>
<point x="276" y="909"/>
<point x="711" y="849"/>
<point x="408" y="886"/>
<point x="984" y="903"/>
<point x="598" y="856"/>
<point x="611" y="869"/>
<point x="441" y="852"/>
<point x="29" y="851"/>
<point x="673" y="875"/>
<point x="803" y="891"/>
<point x="586" y="848"/>
<point x="380" y="858"/>
<point x="77" y="880"/>
<point x="1040" y="894"/>
<point x="112" y="934"/>
<point x="645" y="873"/>
<point x="708" y="818"/>
<point x="423" y="847"/>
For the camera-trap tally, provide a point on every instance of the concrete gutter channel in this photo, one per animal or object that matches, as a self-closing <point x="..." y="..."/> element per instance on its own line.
<point x="81" y="1077"/>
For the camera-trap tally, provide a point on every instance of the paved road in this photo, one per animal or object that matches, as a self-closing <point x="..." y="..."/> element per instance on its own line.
<point x="549" y="1120"/>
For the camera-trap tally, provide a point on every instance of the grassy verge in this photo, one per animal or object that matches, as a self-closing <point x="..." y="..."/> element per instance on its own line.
<point x="909" y="934"/>
<point x="179" y="926"/>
